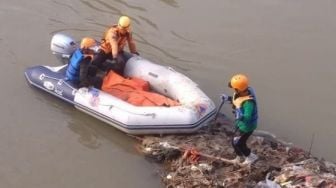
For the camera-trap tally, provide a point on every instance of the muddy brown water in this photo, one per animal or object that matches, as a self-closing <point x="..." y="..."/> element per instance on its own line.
<point x="287" y="48"/>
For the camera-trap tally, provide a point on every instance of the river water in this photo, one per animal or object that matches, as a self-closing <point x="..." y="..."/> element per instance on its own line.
<point x="286" y="47"/>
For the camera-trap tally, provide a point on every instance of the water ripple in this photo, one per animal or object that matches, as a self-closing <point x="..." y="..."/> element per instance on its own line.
<point x="56" y="21"/>
<point x="131" y="6"/>
<point x="94" y="22"/>
<point x="87" y="3"/>
<point x="149" y="22"/>
<point x="108" y="6"/>
<point x="172" y="3"/>
<point x="117" y="11"/>
<point x="145" y="42"/>
<point x="66" y="5"/>
<point x="180" y="37"/>
<point x="72" y="29"/>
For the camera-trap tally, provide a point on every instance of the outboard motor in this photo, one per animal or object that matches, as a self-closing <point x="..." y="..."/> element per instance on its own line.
<point x="63" y="46"/>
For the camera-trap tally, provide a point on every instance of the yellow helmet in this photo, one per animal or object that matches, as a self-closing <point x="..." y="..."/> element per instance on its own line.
<point x="124" y="22"/>
<point x="239" y="82"/>
<point x="87" y="43"/>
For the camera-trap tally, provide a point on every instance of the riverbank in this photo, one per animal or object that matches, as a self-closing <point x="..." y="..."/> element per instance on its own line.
<point x="204" y="160"/>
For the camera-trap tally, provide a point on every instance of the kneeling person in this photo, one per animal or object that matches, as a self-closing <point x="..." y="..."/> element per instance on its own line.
<point x="112" y="46"/>
<point x="80" y="69"/>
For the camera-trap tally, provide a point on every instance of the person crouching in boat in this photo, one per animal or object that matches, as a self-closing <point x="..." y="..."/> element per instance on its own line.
<point x="246" y="116"/>
<point x="112" y="45"/>
<point x="79" y="69"/>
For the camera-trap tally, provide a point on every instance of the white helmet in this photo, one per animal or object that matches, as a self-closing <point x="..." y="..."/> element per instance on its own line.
<point x="63" y="45"/>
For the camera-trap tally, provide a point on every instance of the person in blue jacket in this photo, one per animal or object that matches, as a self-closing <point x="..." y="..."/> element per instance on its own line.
<point x="80" y="70"/>
<point x="246" y="116"/>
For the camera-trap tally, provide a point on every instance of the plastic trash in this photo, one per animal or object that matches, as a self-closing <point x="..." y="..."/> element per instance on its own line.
<point x="268" y="183"/>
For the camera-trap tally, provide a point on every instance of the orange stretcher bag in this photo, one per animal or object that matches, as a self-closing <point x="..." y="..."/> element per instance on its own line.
<point x="134" y="90"/>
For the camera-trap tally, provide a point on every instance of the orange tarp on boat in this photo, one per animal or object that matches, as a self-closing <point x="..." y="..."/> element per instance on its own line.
<point x="134" y="90"/>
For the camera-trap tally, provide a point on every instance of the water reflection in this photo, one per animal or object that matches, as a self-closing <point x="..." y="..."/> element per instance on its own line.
<point x="93" y="133"/>
<point x="55" y="103"/>
<point x="88" y="135"/>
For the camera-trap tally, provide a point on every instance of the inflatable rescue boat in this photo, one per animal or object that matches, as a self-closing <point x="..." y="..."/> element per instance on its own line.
<point x="196" y="109"/>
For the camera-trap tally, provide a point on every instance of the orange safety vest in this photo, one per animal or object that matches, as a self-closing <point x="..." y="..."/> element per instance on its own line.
<point x="113" y="34"/>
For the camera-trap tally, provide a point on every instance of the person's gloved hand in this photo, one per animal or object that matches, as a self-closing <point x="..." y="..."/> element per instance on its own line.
<point x="225" y="97"/>
<point x="238" y="113"/>
<point x="114" y="61"/>
<point x="119" y="59"/>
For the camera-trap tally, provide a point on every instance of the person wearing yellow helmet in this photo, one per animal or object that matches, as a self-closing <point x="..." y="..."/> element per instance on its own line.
<point x="246" y="116"/>
<point x="79" y="66"/>
<point x="112" y="46"/>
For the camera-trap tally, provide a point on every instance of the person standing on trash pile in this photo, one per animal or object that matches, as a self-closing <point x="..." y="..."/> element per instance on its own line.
<point x="79" y="70"/>
<point x="246" y="115"/>
<point x="112" y="45"/>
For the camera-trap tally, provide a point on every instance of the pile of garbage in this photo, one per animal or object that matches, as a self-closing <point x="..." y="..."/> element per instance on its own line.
<point x="205" y="160"/>
<point x="307" y="173"/>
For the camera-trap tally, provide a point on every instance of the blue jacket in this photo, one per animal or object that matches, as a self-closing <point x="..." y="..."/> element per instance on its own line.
<point x="72" y="72"/>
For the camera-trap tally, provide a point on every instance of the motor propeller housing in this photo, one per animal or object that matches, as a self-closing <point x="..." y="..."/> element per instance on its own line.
<point x="63" y="45"/>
